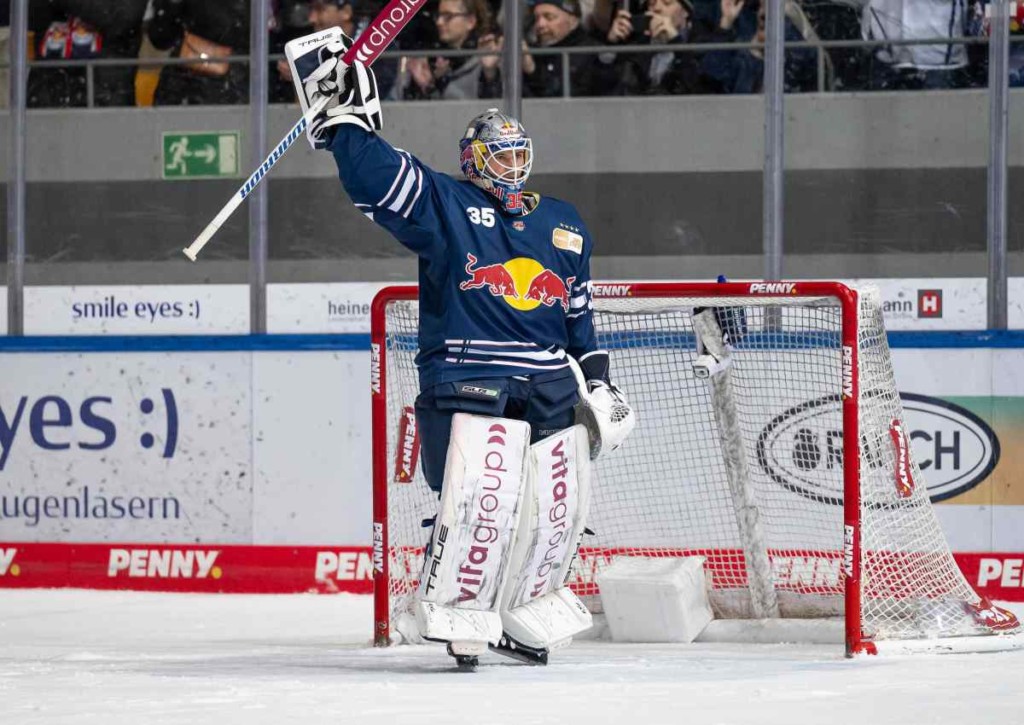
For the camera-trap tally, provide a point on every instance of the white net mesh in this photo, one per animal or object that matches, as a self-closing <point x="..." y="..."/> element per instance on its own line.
<point x="667" y="490"/>
<point x="911" y="586"/>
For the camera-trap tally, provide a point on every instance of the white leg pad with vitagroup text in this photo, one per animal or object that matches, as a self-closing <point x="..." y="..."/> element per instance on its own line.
<point x="474" y="533"/>
<point x="538" y="610"/>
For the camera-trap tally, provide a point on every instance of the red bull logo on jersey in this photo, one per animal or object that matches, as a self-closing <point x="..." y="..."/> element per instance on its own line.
<point x="523" y="283"/>
<point x="548" y="288"/>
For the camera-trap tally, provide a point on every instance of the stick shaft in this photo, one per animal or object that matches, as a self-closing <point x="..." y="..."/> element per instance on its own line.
<point x="367" y="48"/>
<point x="382" y="31"/>
<point x="192" y="250"/>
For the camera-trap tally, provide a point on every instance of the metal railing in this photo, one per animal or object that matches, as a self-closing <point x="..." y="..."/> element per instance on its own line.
<point x="820" y="47"/>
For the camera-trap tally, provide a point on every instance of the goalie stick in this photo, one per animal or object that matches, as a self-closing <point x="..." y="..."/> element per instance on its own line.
<point x="366" y="49"/>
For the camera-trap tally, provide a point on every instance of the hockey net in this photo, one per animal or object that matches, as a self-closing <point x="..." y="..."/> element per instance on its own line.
<point x="791" y="472"/>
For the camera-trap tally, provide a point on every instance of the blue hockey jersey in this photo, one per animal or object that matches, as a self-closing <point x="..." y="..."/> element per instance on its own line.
<point x="500" y="295"/>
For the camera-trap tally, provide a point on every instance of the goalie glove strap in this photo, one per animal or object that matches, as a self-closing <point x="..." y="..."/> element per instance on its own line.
<point x="612" y="388"/>
<point x="325" y="78"/>
<point x="596" y="366"/>
<point x="358" y="105"/>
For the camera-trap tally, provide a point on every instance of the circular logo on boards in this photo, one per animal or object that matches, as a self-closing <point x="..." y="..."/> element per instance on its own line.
<point x="802" y="448"/>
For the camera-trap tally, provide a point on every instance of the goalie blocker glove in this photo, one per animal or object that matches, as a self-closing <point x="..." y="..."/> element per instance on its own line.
<point x="318" y="72"/>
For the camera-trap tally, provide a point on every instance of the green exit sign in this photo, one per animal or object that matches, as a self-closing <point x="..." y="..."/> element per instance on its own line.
<point x="200" y="155"/>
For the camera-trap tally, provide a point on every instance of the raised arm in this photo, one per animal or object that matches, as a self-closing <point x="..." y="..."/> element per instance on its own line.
<point x="388" y="185"/>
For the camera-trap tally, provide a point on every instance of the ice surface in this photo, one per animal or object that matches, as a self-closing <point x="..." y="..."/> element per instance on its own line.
<point x="69" y="656"/>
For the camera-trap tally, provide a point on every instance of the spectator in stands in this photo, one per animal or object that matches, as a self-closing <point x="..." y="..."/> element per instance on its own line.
<point x="320" y="15"/>
<point x="353" y="18"/>
<point x="292" y="21"/>
<point x="591" y="16"/>
<point x="419" y="34"/>
<point x="664" y="22"/>
<point x="325" y="14"/>
<point x="82" y="30"/>
<point x="602" y="14"/>
<point x="556" y="24"/>
<point x="204" y="32"/>
<point x="903" y="67"/>
<point x="977" y="25"/>
<point x="1016" y="59"/>
<point x="839" y="20"/>
<point x="461" y="24"/>
<point x="742" y="71"/>
<point x="5" y="53"/>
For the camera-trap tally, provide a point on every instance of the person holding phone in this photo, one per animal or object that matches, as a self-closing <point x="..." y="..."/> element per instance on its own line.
<point x="461" y="25"/>
<point x="558" y="24"/>
<point x="742" y="70"/>
<point x="663" y="22"/>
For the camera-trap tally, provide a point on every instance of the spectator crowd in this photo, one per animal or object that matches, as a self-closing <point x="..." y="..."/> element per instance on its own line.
<point x="705" y="47"/>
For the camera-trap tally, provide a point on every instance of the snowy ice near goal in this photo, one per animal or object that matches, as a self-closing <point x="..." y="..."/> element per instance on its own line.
<point x="197" y="659"/>
<point x="789" y="470"/>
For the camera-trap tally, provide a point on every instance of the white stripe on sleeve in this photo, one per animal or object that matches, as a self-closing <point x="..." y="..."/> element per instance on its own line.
<point x="419" y="188"/>
<point x="410" y="179"/>
<point x="394" y="184"/>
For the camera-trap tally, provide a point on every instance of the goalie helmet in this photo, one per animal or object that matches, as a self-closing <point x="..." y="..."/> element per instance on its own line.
<point x="488" y="135"/>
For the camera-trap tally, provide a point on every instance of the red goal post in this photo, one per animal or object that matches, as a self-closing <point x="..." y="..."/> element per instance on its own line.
<point x="813" y="368"/>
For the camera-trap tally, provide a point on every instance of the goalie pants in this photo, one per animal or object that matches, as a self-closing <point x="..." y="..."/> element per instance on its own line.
<point x="545" y="401"/>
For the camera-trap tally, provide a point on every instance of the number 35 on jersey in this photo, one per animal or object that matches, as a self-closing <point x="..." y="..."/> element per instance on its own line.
<point x="484" y="216"/>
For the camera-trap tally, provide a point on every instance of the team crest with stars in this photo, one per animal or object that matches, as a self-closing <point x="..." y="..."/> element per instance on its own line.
<point x="567" y="237"/>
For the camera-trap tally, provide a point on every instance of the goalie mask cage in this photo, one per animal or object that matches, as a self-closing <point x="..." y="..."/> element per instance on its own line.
<point x="790" y="471"/>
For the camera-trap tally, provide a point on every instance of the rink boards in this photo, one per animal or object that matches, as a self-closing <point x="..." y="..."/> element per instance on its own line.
<point x="237" y="463"/>
<point x="327" y="570"/>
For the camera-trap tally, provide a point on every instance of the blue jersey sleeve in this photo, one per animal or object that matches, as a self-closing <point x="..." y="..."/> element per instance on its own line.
<point x="579" y="319"/>
<point x="391" y="187"/>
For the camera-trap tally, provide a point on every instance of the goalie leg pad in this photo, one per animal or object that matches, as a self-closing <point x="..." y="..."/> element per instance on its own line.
<point x="537" y="608"/>
<point x="460" y="591"/>
<point x="549" y="621"/>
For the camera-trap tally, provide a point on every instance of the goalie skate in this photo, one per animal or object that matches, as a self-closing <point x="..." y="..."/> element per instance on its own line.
<point x="509" y="647"/>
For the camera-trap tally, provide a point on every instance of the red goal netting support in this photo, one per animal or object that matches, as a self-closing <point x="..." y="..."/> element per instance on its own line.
<point x="790" y="472"/>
